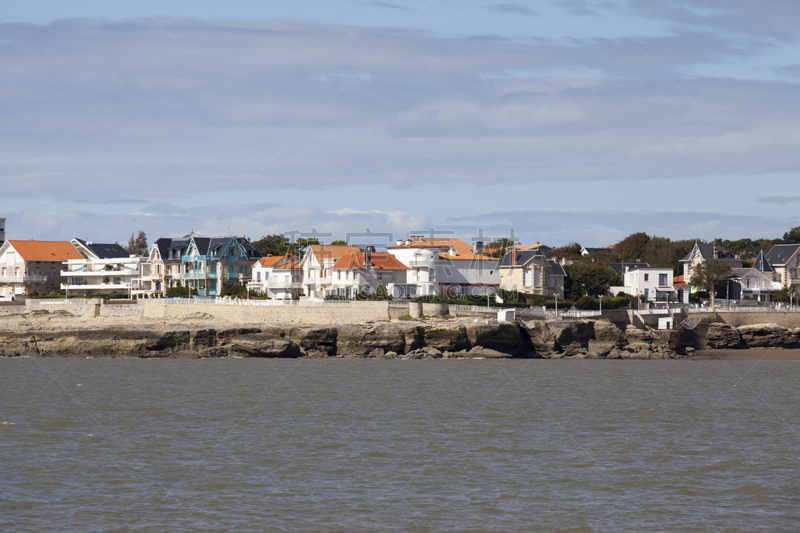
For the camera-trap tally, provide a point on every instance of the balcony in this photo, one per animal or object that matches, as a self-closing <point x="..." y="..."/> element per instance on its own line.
<point x="117" y="273"/>
<point x="197" y="258"/>
<point x="34" y="278"/>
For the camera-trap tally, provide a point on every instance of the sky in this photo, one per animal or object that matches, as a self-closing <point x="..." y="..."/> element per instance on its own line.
<point x="553" y="121"/>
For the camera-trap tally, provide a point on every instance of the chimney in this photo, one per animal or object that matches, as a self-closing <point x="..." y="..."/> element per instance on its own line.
<point x="513" y="256"/>
<point x="716" y="252"/>
<point x="479" y="248"/>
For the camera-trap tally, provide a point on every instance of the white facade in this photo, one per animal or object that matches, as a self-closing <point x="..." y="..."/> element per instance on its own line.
<point x="278" y="277"/>
<point x="448" y="264"/>
<point x="421" y="276"/>
<point x="651" y="282"/>
<point x="94" y="275"/>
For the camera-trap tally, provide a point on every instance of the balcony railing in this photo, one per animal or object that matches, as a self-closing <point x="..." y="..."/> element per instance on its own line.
<point x="101" y="273"/>
<point x="33" y="278"/>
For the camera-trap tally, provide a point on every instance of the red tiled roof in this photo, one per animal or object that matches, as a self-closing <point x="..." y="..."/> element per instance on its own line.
<point x="380" y="261"/>
<point x="270" y="260"/>
<point x="434" y="242"/>
<point x="333" y="251"/>
<point x="46" y="250"/>
<point x="290" y="265"/>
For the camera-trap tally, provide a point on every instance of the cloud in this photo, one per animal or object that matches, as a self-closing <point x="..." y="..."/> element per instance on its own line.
<point x="253" y="220"/>
<point x="779" y="200"/>
<point x="390" y="5"/>
<point x="237" y="109"/>
<point x="514" y="9"/>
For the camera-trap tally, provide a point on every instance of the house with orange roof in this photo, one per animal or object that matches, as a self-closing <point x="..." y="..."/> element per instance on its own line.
<point x="317" y="263"/>
<point x="277" y="276"/>
<point x="33" y="266"/>
<point x="437" y="264"/>
<point x="368" y="272"/>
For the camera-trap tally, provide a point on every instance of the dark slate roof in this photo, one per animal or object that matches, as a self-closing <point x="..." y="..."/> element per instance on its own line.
<point x="620" y="267"/>
<point x="555" y="268"/>
<point x="761" y="264"/>
<point x="597" y="250"/>
<point x="523" y="256"/>
<point x="781" y="253"/>
<point x="105" y="251"/>
<point x="167" y="245"/>
<point x="707" y="252"/>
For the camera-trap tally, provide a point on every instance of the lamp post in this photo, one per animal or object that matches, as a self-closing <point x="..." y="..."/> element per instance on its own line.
<point x="600" y="297"/>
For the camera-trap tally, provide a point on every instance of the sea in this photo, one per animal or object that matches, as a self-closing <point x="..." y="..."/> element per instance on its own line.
<point x="398" y="445"/>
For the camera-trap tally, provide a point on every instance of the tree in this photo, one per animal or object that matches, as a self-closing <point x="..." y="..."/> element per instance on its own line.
<point x="589" y="279"/>
<point x="632" y="247"/>
<point x="272" y="245"/>
<point x="339" y="242"/>
<point x="137" y="245"/>
<point x="571" y="251"/>
<point x="708" y="275"/>
<point x="792" y="236"/>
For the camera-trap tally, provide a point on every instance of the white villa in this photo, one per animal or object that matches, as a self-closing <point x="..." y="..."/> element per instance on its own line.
<point x="101" y="269"/>
<point x="785" y="260"/>
<point x="317" y="263"/>
<point x="651" y="282"/>
<point x="279" y="277"/>
<point x="437" y="264"/>
<point x="366" y="273"/>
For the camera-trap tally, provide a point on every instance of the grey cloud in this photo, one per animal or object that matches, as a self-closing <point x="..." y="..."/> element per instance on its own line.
<point x="779" y="200"/>
<point x="239" y="108"/>
<point x="390" y="5"/>
<point x="514" y="9"/>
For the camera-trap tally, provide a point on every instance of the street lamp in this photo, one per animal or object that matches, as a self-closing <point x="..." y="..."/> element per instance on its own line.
<point x="600" y="297"/>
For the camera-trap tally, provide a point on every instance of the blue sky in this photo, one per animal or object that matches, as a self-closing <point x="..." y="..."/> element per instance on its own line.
<point x="562" y="121"/>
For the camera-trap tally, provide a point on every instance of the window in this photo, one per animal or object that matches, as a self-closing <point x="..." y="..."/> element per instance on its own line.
<point x="647" y="277"/>
<point x="662" y="280"/>
<point x="338" y="274"/>
<point x="647" y="293"/>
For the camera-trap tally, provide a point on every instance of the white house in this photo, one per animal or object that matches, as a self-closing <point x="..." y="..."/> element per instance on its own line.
<point x="757" y="282"/>
<point x="651" y="282"/>
<point x="785" y="259"/>
<point x="365" y="272"/>
<point x="101" y="269"/>
<point x="317" y="263"/>
<point x="32" y="266"/>
<point x="439" y="264"/>
<point x="277" y="276"/>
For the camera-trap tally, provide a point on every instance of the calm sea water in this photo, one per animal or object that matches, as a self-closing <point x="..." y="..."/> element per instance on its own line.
<point x="374" y="445"/>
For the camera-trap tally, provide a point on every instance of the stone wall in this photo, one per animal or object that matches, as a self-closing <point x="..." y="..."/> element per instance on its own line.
<point x="789" y="320"/>
<point x="355" y="312"/>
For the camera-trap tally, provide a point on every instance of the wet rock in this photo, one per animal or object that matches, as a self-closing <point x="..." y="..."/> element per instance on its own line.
<point x="357" y="339"/>
<point x="203" y="338"/>
<point x="608" y="333"/>
<point x="571" y="332"/>
<point x="503" y="337"/>
<point x="720" y="335"/>
<point x="766" y="336"/>
<point x="450" y="337"/>
<point x="264" y="345"/>
<point x="540" y="337"/>
<point x="486" y="353"/>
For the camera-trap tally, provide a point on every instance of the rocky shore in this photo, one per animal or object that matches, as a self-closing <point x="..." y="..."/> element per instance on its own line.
<point x="63" y="335"/>
<point x="719" y="335"/>
<point x="51" y="335"/>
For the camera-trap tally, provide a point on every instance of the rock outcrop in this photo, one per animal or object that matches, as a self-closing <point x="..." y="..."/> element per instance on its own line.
<point x="438" y="339"/>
